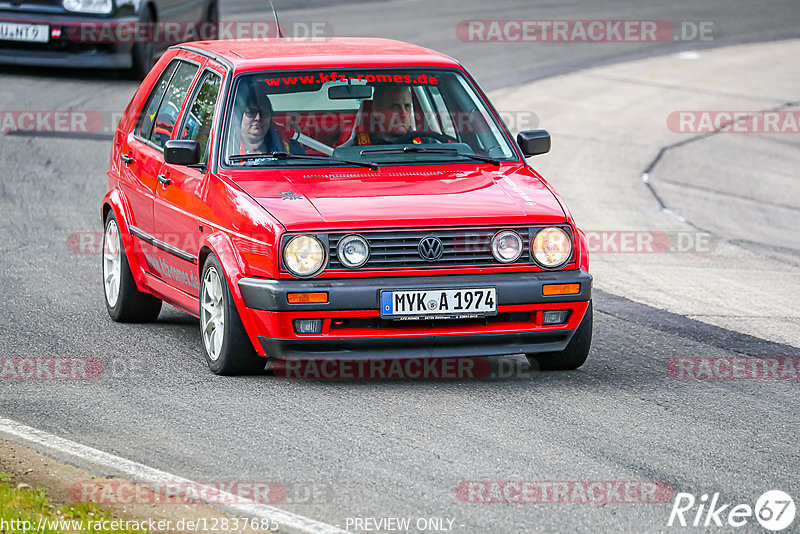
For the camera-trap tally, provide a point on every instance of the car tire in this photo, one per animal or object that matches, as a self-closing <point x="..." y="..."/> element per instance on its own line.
<point x="228" y="350"/>
<point x="575" y="353"/>
<point x="124" y="302"/>
<point x="143" y="54"/>
<point x="212" y="19"/>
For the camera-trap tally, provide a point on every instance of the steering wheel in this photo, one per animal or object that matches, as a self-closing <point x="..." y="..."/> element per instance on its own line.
<point x="407" y="137"/>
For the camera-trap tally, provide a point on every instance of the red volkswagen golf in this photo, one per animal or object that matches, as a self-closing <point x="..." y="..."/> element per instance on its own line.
<point x="338" y="199"/>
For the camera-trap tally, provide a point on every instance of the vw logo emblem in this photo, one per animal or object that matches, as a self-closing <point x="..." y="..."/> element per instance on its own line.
<point x="430" y="248"/>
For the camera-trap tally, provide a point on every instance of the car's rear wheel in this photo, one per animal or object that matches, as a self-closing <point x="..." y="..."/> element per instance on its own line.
<point x="227" y="348"/>
<point x="124" y="302"/>
<point x="575" y="353"/>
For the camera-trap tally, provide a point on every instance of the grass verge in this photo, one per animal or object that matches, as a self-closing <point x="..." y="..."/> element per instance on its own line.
<point x="24" y="509"/>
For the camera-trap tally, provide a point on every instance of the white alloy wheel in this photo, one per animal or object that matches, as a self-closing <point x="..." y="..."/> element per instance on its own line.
<point x="112" y="262"/>
<point x="212" y="313"/>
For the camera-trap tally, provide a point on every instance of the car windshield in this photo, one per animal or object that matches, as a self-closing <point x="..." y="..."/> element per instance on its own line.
<point x="344" y="117"/>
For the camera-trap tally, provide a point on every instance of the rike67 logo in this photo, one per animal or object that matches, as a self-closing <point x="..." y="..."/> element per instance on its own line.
<point x="774" y="510"/>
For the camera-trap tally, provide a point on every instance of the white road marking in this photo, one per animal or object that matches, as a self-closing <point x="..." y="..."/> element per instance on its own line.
<point x="670" y="212"/>
<point x="689" y="55"/>
<point x="287" y="521"/>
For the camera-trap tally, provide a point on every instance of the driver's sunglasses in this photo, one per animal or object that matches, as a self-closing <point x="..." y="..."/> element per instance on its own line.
<point x="252" y="112"/>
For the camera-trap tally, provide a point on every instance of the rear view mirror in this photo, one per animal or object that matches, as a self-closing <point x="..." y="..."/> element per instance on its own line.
<point x="182" y="152"/>
<point x="349" y="92"/>
<point x="534" y="142"/>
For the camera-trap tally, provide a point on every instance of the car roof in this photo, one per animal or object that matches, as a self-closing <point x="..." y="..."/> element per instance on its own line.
<point x="335" y="52"/>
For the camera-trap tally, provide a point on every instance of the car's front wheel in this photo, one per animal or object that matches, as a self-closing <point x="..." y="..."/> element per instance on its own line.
<point x="228" y="349"/>
<point x="575" y="353"/>
<point x="124" y="302"/>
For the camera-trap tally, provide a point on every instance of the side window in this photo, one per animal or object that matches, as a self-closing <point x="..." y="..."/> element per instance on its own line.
<point x="144" y="126"/>
<point x="170" y="106"/>
<point x="441" y="112"/>
<point x="197" y="125"/>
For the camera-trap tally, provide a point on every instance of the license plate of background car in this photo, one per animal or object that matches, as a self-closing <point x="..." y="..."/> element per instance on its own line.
<point x="29" y="33"/>
<point x="438" y="304"/>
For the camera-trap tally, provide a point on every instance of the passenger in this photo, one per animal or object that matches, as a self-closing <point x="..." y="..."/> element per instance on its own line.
<point x="256" y="131"/>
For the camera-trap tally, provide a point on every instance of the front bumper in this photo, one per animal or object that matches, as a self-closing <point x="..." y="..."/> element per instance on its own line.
<point x="71" y="48"/>
<point x="353" y="327"/>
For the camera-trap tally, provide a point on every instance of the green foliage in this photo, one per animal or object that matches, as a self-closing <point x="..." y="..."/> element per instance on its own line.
<point x="30" y="504"/>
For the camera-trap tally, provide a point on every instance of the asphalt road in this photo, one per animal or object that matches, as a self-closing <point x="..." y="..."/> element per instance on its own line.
<point x="385" y="448"/>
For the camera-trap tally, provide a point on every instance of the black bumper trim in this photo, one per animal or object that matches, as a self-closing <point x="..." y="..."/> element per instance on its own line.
<point x="47" y="58"/>
<point x="364" y="293"/>
<point x="417" y="347"/>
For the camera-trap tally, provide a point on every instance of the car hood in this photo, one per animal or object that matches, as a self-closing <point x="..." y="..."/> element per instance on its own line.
<point x="315" y="200"/>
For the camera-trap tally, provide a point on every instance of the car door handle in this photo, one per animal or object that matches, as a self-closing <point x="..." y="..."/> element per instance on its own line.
<point x="127" y="159"/>
<point x="163" y="179"/>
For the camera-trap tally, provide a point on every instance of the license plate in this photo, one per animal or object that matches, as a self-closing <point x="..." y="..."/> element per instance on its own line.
<point x="439" y="304"/>
<point x="29" y="33"/>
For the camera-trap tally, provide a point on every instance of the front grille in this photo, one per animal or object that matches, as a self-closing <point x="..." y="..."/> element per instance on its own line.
<point x="399" y="249"/>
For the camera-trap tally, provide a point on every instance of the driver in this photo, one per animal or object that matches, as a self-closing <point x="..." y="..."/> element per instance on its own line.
<point x="392" y="117"/>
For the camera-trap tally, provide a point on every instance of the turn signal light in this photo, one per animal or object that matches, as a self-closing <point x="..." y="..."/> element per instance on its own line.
<point x="308" y="298"/>
<point x="561" y="289"/>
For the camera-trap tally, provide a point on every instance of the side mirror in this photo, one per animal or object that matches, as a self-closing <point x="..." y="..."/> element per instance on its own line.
<point x="534" y="142"/>
<point x="182" y="152"/>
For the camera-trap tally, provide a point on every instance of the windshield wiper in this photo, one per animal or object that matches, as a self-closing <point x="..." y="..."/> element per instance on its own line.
<point x="289" y="155"/>
<point x="423" y="150"/>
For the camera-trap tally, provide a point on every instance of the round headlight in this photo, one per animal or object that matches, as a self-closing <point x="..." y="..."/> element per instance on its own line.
<point x="88" y="6"/>
<point x="551" y="247"/>
<point x="353" y="251"/>
<point x="506" y="246"/>
<point x="304" y="256"/>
